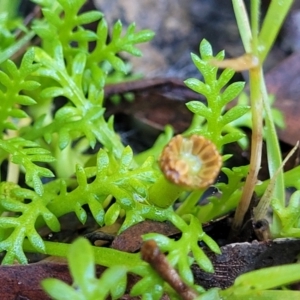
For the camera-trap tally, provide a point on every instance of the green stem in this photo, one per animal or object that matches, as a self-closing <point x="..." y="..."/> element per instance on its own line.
<point x="189" y="203"/>
<point x="257" y="117"/>
<point x="256" y="147"/>
<point x="274" y="159"/>
<point x="255" y="6"/>
<point x="163" y="193"/>
<point x="243" y="23"/>
<point x="273" y="21"/>
<point x="103" y="256"/>
<point x="16" y="47"/>
<point x="260" y="45"/>
<point x="273" y="148"/>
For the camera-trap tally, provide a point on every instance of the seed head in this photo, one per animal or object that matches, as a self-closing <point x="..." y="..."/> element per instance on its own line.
<point x="192" y="162"/>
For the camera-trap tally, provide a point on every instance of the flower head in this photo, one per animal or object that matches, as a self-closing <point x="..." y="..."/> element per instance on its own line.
<point x="192" y="162"/>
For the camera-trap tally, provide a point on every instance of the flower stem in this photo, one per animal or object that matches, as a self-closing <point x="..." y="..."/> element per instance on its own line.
<point x="255" y="79"/>
<point x="163" y="193"/>
<point x="260" y="45"/>
<point x="256" y="147"/>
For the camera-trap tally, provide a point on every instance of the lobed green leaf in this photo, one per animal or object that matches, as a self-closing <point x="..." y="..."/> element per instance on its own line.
<point x="232" y="137"/>
<point x="78" y="66"/>
<point x="80" y="213"/>
<point x="84" y="36"/>
<point x="117" y="30"/>
<point x="82" y="264"/>
<point x="198" y="86"/>
<point x="36" y="240"/>
<point x="52" y="92"/>
<point x="163" y="242"/>
<point x="18" y="113"/>
<point x="199" y="63"/>
<point x="27" y="67"/>
<point x="52" y="17"/>
<point x="89" y="17"/>
<point x="132" y="50"/>
<point x="112" y="214"/>
<point x="102" y="33"/>
<point x="234" y="113"/>
<point x="143" y="36"/>
<point x="202" y="260"/>
<point x="205" y="50"/>
<point x="225" y="77"/>
<point x="199" y="108"/>
<point x="231" y="92"/>
<point x="116" y="62"/>
<point x="145" y="286"/>
<point x="59" y="290"/>
<point x="5" y="79"/>
<point x="96" y="210"/>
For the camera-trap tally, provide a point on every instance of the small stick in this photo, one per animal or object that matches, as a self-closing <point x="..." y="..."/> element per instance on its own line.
<point x="158" y="261"/>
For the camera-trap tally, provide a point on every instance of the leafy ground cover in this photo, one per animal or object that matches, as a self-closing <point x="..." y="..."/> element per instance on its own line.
<point x="62" y="159"/>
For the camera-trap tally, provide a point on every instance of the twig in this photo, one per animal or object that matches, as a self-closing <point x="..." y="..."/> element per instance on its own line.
<point x="158" y="261"/>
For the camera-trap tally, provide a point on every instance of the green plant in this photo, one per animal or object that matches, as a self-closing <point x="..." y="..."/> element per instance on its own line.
<point x="86" y="285"/>
<point x="260" y="284"/>
<point x="53" y="145"/>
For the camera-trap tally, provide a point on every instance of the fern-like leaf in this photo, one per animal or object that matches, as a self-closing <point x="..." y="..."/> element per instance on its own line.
<point x="13" y="82"/>
<point x="211" y="87"/>
<point x="25" y="153"/>
<point x="24" y="225"/>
